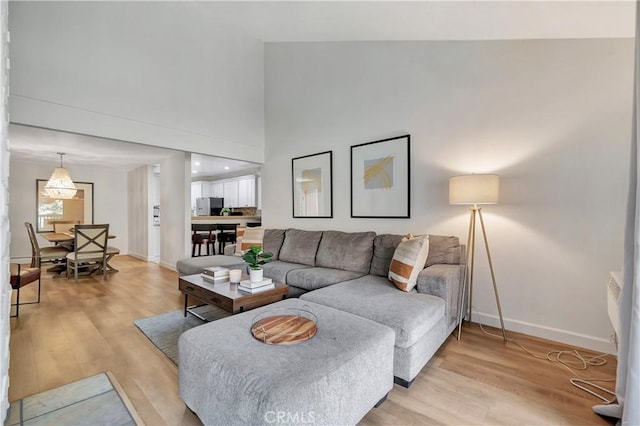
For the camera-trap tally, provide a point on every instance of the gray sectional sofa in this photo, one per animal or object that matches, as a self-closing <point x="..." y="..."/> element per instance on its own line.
<point x="348" y="271"/>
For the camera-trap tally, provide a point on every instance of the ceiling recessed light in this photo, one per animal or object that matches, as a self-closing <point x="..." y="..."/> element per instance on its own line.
<point x="194" y="171"/>
<point x="226" y="167"/>
<point x="197" y="163"/>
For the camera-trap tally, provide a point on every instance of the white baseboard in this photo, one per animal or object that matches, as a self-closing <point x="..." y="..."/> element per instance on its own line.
<point x="168" y="266"/>
<point x="558" y="335"/>
<point x="139" y="256"/>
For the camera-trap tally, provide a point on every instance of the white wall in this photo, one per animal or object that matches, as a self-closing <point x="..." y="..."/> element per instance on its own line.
<point x="169" y="74"/>
<point x="109" y="201"/>
<point x="553" y="118"/>
<point x="175" y="210"/>
<point x="138" y="212"/>
<point x="5" y="288"/>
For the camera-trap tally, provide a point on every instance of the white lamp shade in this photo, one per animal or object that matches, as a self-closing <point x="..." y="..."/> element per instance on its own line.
<point x="474" y="189"/>
<point x="60" y="185"/>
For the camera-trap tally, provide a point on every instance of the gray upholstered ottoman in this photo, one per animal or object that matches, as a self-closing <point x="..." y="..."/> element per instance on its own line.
<point x="228" y="377"/>
<point x="195" y="265"/>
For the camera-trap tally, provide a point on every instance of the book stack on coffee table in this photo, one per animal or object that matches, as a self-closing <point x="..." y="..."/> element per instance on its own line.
<point x="215" y="274"/>
<point x="257" y="287"/>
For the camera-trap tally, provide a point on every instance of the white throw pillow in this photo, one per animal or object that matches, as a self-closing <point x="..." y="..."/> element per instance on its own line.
<point x="408" y="260"/>
<point x="250" y="237"/>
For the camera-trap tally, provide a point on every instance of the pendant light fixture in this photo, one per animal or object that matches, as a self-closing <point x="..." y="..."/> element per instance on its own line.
<point x="60" y="184"/>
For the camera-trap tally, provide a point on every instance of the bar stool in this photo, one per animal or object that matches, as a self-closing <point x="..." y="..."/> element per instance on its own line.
<point x="226" y="237"/>
<point x="207" y="238"/>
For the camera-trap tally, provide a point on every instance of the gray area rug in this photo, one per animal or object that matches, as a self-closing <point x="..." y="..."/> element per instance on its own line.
<point x="97" y="400"/>
<point x="165" y="329"/>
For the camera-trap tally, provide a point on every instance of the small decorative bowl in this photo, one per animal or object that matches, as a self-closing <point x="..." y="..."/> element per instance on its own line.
<point x="284" y="326"/>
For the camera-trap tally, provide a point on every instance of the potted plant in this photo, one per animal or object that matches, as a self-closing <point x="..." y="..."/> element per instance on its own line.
<point x="225" y="211"/>
<point x="255" y="257"/>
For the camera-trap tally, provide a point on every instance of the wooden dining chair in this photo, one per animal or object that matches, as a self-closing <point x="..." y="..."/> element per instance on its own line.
<point x="203" y="234"/>
<point x="227" y="235"/>
<point x="22" y="275"/>
<point x="41" y="255"/>
<point x="62" y="226"/>
<point x="90" y="249"/>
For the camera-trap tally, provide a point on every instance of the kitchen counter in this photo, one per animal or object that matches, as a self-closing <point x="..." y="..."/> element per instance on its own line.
<point x="227" y="218"/>
<point x="242" y="220"/>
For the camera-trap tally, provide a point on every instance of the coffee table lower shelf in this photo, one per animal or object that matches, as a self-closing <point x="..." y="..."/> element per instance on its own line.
<point x="225" y="295"/>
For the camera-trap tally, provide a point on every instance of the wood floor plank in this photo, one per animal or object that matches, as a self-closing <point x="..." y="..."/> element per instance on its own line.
<point x="79" y="330"/>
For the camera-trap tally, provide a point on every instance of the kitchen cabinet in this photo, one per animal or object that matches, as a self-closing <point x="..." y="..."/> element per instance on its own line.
<point x="217" y="190"/>
<point x="196" y="192"/>
<point x="237" y="192"/>
<point x="247" y="192"/>
<point x="230" y="193"/>
<point x="202" y="188"/>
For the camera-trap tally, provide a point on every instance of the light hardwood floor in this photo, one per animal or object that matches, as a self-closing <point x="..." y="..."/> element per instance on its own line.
<point x="79" y="330"/>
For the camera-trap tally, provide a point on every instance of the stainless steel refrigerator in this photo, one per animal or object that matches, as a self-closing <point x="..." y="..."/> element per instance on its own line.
<point x="209" y="206"/>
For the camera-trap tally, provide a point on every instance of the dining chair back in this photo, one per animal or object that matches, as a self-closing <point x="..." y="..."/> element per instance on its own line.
<point x="227" y="235"/>
<point x="90" y="249"/>
<point x="62" y="226"/>
<point x="203" y="233"/>
<point x="22" y="275"/>
<point x="45" y="254"/>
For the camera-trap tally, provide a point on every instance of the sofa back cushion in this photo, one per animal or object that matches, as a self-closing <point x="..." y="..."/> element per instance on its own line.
<point x="349" y="251"/>
<point x="384" y="246"/>
<point x="300" y="246"/>
<point x="443" y="250"/>
<point x="272" y="241"/>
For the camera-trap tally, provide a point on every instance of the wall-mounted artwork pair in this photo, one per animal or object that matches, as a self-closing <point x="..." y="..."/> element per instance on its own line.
<point x="380" y="173"/>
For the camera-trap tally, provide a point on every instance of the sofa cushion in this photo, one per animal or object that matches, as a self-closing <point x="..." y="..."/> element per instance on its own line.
<point x="195" y="265"/>
<point x="272" y="241"/>
<point x="384" y="246"/>
<point x="278" y="270"/>
<point x="411" y="315"/>
<point x="350" y="251"/>
<point x="408" y="261"/>
<point x="443" y="250"/>
<point x="300" y="246"/>
<point x="314" y="278"/>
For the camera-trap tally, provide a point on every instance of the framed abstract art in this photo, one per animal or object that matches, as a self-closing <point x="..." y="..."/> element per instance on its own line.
<point x="380" y="177"/>
<point x="312" y="180"/>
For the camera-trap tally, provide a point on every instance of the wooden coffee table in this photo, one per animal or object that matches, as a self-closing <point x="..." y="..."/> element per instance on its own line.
<point x="226" y="295"/>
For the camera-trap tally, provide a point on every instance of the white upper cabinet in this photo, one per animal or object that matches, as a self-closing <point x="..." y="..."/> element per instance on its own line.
<point x="247" y="192"/>
<point x="217" y="190"/>
<point x="196" y="192"/>
<point x="237" y="192"/>
<point x="231" y="193"/>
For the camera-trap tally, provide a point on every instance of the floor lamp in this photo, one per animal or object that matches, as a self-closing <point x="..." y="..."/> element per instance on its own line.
<point x="474" y="190"/>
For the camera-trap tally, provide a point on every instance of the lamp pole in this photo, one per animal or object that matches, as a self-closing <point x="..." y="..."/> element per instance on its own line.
<point x="471" y="246"/>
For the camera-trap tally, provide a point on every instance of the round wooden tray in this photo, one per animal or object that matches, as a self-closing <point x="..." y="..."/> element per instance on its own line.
<point x="286" y="329"/>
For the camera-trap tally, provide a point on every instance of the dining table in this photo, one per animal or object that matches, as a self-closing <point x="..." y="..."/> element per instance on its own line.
<point x="68" y="239"/>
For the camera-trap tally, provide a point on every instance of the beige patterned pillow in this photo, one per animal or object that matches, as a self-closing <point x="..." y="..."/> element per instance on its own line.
<point x="249" y="237"/>
<point x="408" y="260"/>
<point x="239" y="235"/>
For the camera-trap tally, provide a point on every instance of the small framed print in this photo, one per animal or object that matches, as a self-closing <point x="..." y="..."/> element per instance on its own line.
<point x="312" y="181"/>
<point x="380" y="179"/>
